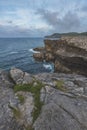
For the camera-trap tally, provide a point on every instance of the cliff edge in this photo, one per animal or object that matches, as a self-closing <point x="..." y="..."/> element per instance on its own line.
<point x="69" y="54"/>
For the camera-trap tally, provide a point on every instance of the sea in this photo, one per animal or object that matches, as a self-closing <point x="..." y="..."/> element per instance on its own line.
<point x="18" y="52"/>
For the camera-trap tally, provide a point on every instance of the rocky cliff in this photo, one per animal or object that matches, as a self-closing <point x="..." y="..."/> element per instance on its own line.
<point x="43" y="101"/>
<point x="69" y="54"/>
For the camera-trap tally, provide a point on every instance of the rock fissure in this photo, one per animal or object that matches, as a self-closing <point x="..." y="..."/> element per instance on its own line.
<point x="72" y="115"/>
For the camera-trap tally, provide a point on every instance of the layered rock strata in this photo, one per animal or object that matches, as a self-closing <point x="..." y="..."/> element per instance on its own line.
<point x="69" y="54"/>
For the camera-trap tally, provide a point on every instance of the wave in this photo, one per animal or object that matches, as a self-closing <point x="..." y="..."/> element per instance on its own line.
<point x="13" y="52"/>
<point x="47" y="66"/>
<point x="31" y="50"/>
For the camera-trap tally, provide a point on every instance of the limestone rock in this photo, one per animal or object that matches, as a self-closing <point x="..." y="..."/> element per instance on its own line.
<point x="63" y="110"/>
<point x="26" y="108"/>
<point x="20" y="77"/>
<point x="7" y="98"/>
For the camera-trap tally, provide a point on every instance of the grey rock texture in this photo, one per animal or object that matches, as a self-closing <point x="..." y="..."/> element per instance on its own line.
<point x="7" y="97"/>
<point x="63" y="110"/>
<point x="20" y="77"/>
<point x="13" y="114"/>
<point x="64" y="98"/>
<point x="26" y="109"/>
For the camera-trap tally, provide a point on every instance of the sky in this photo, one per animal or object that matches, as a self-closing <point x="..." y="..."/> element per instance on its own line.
<point x="38" y="18"/>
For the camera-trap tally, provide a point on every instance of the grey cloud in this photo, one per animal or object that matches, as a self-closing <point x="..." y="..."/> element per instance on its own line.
<point x="16" y="31"/>
<point x="84" y="8"/>
<point x="69" y="22"/>
<point x="50" y="17"/>
<point x="9" y="31"/>
<point x="10" y="22"/>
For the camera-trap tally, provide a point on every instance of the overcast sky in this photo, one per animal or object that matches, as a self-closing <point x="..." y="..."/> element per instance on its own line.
<point x="37" y="18"/>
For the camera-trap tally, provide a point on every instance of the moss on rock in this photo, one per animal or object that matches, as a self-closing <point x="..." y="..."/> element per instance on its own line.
<point x="34" y="88"/>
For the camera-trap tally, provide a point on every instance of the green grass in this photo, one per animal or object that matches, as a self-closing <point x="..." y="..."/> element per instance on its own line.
<point x="60" y="85"/>
<point x="35" y="90"/>
<point x="16" y="112"/>
<point x="21" y="98"/>
<point x="25" y="88"/>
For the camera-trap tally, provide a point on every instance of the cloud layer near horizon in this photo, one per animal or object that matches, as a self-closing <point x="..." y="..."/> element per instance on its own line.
<point x="26" y="18"/>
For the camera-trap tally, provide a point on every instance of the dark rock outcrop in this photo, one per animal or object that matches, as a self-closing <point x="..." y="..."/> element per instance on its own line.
<point x="39" y="49"/>
<point x="39" y="56"/>
<point x="69" y="54"/>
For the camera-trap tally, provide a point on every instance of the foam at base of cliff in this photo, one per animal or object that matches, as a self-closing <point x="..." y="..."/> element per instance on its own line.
<point x="31" y="50"/>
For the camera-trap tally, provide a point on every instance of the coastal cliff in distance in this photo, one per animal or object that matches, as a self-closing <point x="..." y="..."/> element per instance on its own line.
<point x="58" y="35"/>
<point x="69" y="53"/>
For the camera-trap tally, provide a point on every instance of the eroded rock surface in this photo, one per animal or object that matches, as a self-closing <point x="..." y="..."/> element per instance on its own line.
<point x="63" y="110"/>
<point x="7" y="97"/>
<point x="20" y="77"/>
<point x="64" y="98"/>
<point x="69" y="54"/>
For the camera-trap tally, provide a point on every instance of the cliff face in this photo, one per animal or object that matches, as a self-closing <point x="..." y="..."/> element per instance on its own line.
<point x="69" y="54"/>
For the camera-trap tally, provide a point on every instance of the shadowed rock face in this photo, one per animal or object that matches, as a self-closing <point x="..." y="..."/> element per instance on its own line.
<point x="69" y="54"/>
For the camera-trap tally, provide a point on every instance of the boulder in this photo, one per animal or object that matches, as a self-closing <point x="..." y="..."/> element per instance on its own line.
<point x="20" y="77"/>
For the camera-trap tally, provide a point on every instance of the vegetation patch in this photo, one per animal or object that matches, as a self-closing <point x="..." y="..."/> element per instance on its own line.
<point x="16" y="112"/>
<point x="21" y="98"/>
<point x="60" y="85"/>
<point x="29" y="127"/>
<point x="35" y="90"/>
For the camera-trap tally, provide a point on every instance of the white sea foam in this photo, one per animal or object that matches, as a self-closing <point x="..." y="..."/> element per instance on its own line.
<point x="31" y="50"/>
<point x="47" y="66"/>
<point x="13" y="52"/>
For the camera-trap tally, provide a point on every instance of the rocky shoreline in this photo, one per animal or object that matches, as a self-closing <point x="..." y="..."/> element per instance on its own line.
<point x="47" y="101"/>
<point x="69" y="54"/>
